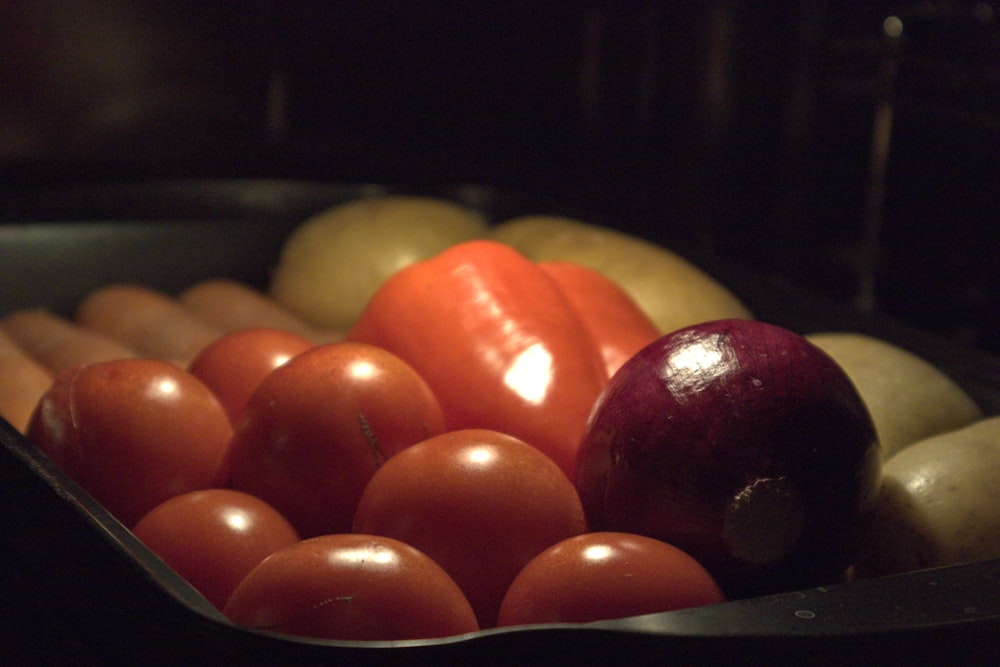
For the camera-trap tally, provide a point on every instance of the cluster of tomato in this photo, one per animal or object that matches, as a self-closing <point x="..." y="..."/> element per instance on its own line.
<point x="413" y="480"/>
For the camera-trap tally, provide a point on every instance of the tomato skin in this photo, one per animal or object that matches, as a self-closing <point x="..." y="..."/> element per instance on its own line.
<point x="51" y="427"/>
<point x="133" y="433"/>
<point x="479" y="502"/>
<point x="603" y="575"/>
<point x="617" y="324"/>
<point x="498" y="342"/>
<point x="351" y="587"/>
<point x="214" y="537"/>
<point x="318" y="427"/>
<point x="234" y="364"/>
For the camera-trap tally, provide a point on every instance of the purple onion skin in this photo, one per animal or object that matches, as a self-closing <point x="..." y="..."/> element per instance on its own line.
<point x="741" y="443"/>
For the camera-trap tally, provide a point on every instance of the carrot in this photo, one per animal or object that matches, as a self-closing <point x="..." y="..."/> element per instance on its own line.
<point x="23" y="381"/>
<point x="231" y="306"/>
<point x="146" y="320"/>
<point x="57" y="343"/>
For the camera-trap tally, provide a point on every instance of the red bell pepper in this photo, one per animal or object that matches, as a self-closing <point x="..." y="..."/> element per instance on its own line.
<point x="617" y="324"/>
<point x="498" y="342"/>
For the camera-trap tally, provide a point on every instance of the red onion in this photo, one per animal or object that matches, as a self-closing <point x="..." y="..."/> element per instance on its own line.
<point x="743" y="444"/>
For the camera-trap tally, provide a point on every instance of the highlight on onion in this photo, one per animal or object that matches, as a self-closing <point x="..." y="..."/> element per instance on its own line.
<point x="743" y="444"/>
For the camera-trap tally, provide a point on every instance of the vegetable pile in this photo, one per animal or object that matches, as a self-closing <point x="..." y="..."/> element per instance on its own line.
<point x="539" y="421"/>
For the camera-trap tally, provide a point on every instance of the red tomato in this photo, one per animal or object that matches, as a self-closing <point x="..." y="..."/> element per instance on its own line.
<point x="213" y="538"/>
<point x="133" y="433"/>
<point x="318" y="427"/>
<point x="617" y="324"/>
<point x="351" y="587"/>
<point x="234" y="364"/>
<point x="499" y="344"/>
<point x="597" y="576"/>
<point x="480" y="503"/>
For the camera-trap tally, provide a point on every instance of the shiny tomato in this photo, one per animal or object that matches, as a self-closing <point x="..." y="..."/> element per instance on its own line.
<point x="617" y="324"/>
<point x="603" y="575"/>
<point x="234" y="364"/>
<point x="480" y="503"/>
<point x="133" y="433"/>
<point x="497" y="341"/>
<point x="318" y="427"/>
<point x="214" y="537"/>
<point x="351" y="587"/>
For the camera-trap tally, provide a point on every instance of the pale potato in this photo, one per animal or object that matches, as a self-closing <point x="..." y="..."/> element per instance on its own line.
<point x="332" y="263"/>
<point x="909" y="398"/>
<point x="939" y="503"/>
<point x="669" y="288"/>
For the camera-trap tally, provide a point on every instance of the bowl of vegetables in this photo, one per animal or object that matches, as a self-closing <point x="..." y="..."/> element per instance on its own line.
<point x="460" y="425"/>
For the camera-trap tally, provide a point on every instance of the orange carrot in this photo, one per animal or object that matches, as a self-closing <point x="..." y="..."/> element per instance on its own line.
<point x="57" y="343"/>
<point x="230" y="305"/>
<point x="146" y="320"/>
<point x="22" y="383"/>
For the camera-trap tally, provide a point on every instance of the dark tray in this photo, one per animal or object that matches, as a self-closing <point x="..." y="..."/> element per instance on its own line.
<point x="75" y="584"/>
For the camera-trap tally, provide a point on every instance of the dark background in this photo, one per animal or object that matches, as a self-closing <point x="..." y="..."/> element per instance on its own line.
<point x="730" y="129"/>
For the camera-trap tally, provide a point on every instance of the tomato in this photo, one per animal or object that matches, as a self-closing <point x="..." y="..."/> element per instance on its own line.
<point x="214" y="537"/>
<point x="234" y="364"/>
<point x="596" y="576"/>
<point x="133" y="433"/>
<point x="480" y="503"/>
<point x="351" y="587"/>
<point x="499" y="344"/>
<point x="318" y="427"/>
<point x="616" y="323"/>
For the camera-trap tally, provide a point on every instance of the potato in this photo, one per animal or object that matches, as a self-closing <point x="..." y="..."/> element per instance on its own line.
<point x="909" y="398"/>
<point x="670" y="289"/>
<point x="939" y="503"/>
<point x="333" y="262"/>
